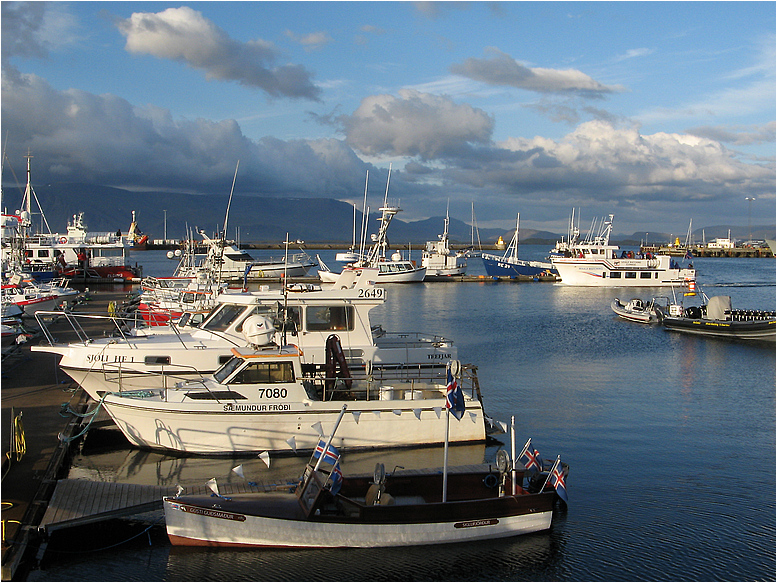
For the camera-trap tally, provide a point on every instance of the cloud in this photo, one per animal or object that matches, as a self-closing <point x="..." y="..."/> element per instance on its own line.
<point x="502" y="70"/>
<point x="738" y="136"/>
<point x="32" y="29"/>
<point x="633" y="54"/>
<point x="312" y="41"/>
<point x="184" y="35"/>
<point x="77" y="136"/>
<point x="415" y="124"/>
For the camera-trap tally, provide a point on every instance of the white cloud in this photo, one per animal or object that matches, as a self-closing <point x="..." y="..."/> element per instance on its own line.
<point x="502" y="70"/>
<point x="415" y="124"/>
<point x="184" y="35"/>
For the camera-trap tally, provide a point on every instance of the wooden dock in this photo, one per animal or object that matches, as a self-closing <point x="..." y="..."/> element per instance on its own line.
<point x="79" y="502"/>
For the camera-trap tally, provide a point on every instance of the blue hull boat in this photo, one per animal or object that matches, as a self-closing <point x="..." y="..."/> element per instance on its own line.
<point x="509" y="265"/>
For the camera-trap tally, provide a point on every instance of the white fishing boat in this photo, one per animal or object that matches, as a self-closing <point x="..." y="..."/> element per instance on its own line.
<point x="438" y="258"/>
<point x="33" y="297"/>
<point x="595" y="262"/>
<point x="305" y="314"/>
<point x="225" y="261"/>
<point x="403" y="508"/>
<point x="263" y="400"/>
<point x="393" y="269"/>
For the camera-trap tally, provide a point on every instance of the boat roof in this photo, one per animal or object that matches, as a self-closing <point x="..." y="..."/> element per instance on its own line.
<point x="267" y="352"/>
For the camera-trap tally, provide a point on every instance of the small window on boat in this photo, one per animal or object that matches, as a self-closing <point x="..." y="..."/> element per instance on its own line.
<point x="326" y="318"/>
<point x="615" y="274"/>
<point x="216" y="396"/>
<point x="265" y="372"/>
<point x="645" y="275"/>
<point x="43" y="252"/>
<point x="631" y="275"/>
<point x="157" y="360"/>
<point x="258" y="310"/>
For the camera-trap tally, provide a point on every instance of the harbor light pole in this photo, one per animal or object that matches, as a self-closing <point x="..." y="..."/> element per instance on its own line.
<point x="165" y="211"/>
<point x="749" y="200"/>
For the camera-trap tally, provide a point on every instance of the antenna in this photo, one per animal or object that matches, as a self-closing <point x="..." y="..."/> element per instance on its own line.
<point x="229" y="202"/>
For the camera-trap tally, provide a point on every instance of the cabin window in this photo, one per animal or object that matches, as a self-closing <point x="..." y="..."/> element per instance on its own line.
<point x="615" y="275"/>
<point x="631" y="275"/>
<point x="188" y="298"/>
<point x="645" y="275"/>
<point x="43" y="253"/>
<point x="224" y="358"/>
<point x="223" y="317"/>
<point x="157" y="360"/>
<point x="325" y="318"/>
<point x="257" y="311"/>
<point x="227" y="369"/>
<point x="265" y="372"/>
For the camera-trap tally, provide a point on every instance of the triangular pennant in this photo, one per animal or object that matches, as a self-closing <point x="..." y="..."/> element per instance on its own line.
<point x="292" y="443"/>
<point x="417" y="413"/>
<point x="397" y="412"/>
<point x="503" y="425"/>
<point x="239" y="470"/>
<point x="213" y="486"/>
<point x="356" y="416"/>
<point x="473" y="416"/>
<point x="377" y="413"/>
<point x="318" y="428"/>
<point x="438" y="411"/>
<point x="265" y="457"/>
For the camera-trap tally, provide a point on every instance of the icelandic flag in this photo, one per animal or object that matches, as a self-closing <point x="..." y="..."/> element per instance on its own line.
<point x="557" y="481"/>
<point x="331" y="456"/>
<point x="688" y="254"/>
<point x="337" y="478"/>
<point x="454" y="398"/>
<point x="530" y="458"/>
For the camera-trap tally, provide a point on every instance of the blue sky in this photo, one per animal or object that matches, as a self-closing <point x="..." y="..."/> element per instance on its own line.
<point x="657" y="112"/>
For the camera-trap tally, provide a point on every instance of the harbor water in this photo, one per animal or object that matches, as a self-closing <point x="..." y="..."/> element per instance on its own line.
<point x="670" y="440"/>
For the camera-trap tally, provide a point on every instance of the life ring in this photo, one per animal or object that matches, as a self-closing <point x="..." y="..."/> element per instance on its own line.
<point x="455" y="367"/>
<point x="63" y="240"/>
<point x="490" y="481"/>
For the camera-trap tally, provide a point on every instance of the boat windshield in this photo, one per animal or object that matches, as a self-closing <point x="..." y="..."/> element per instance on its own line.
<point x="223" y="317"/>
<point x="227" y="369"/>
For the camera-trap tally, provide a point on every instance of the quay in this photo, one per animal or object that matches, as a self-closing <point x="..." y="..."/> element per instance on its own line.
<point x="33" y="393"/>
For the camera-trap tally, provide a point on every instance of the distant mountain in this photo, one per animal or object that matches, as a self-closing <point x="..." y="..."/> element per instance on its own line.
<point x="267" y="220"/>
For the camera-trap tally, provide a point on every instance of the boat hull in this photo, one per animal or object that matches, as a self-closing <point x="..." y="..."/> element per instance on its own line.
<point x="231" y="427"/>
<point x="621" y="272"/>
<point x="379" y="526"/>
<point x="643" y="316"/>
<point x="500" y="267"/>
<point x="750" y="330"/>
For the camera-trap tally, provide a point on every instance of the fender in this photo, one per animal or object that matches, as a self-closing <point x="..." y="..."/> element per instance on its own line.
<point x="336" y="367"/>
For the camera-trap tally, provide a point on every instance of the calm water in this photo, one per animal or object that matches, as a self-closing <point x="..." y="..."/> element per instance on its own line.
<point x="670" y="440"/>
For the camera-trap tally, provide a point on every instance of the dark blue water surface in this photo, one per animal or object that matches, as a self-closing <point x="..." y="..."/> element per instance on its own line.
<point x="670" y="441"/>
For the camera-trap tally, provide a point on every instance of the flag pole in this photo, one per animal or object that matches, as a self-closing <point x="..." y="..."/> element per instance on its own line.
<point x="553" y="469"/>
<point x="512" y="447"/>
<point x="331" y="437"/>
<point x="445" y="459"/>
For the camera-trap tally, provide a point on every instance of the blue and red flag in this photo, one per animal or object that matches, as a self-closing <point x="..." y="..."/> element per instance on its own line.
<point x="337" y="478"/>
<point x="530" y="458"/>
<point x="557" y="481"/>
<point x="454" y="398"/>
<point x="331" y="456"/>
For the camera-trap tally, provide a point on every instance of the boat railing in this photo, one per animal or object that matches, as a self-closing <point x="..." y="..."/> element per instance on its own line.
<point x="118" y="327"/>
<point x="396" y="383"/>
<point x="412" y="338"/>
<point x="129" y="379"/>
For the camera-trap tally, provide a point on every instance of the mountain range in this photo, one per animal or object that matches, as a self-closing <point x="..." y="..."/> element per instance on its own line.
<point x="268" y="220"/>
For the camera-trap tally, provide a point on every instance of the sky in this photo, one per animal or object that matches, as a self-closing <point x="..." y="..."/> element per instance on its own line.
<point x="657" y="112"/>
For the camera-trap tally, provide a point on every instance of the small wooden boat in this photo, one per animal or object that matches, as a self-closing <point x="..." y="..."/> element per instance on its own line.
<point x="636" y="310"/>
<point x="413" y="507"/>
<point x="717" y="318"/>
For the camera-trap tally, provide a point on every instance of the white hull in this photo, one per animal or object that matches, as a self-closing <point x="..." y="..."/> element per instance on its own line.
<point x="389" y="272"/>
<point x="232" y="529"/>
<point x="228" y="427"/>
<point x="621" y="272"/>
